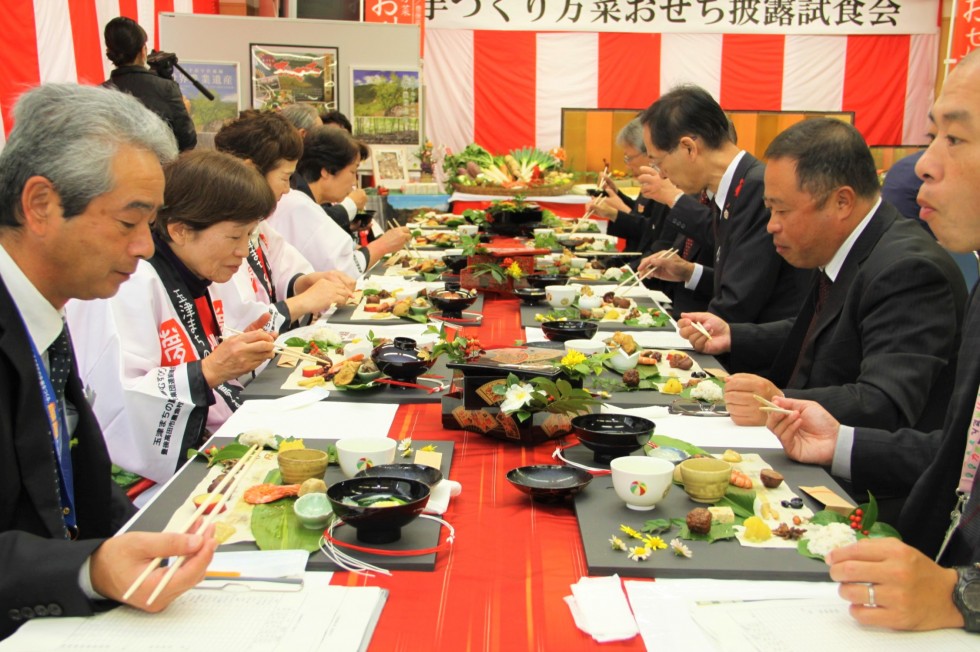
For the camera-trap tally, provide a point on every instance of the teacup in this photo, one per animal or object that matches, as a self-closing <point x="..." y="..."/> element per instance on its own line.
<point x="705" y="478"/>
<point x="359" y="453"/>
<point x="640" y="481"/>
<point x="586" y="347"/>
<point x="561" y="296"/>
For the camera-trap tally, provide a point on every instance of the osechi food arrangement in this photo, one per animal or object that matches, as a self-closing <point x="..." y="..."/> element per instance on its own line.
<point x="527" y="169"/>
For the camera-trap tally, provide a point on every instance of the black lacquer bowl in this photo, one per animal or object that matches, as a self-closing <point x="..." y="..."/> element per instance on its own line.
<point x="400" y="360"/>
<point x="544" y="280"/>
<point x="426" y="474"/>
<point x="452" y="302"/>
<point x="549" y="483"/>
<point x="455" y="262"/>
<point x="610" y="436"/>
<point x="530" y="296"/>
<point x="562" y="331"/>
<point x="378" y="508"/>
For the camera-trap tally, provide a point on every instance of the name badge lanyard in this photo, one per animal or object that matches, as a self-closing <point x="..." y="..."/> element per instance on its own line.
<point x="971" y="464"/>
<point x="58" y="427"/>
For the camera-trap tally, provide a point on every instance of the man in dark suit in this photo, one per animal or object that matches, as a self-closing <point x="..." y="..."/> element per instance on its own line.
<point x="689" y="141"/>
<point x="891" y="583"/>
<point x="854" y="347"/>
<point x="80" y="182"/>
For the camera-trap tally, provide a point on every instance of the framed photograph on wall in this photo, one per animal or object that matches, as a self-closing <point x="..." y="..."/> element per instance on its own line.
<point x="386" y="105"/>
<point x="283" y="74"/>
<point x="390" y="166"/>
<point x="219" y="77"/>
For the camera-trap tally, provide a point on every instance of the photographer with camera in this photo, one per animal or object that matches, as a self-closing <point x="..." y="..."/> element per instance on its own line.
<point x="125" y="46"/>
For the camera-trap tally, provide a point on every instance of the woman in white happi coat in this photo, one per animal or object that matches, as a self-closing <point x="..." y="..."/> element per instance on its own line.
<point x="162" y="333"/>
<point x="329" y="165"/>
<point x="275" y="272"/>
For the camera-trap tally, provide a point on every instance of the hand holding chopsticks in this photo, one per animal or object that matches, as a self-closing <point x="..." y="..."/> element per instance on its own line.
<point x="589" y="213"/>
<point x="283" y="349"/>
<point x="662" y="256"/>
<point x="225" y="489"/>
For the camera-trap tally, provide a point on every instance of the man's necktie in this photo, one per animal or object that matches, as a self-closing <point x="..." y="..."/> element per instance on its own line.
<point x="823" y="291"/>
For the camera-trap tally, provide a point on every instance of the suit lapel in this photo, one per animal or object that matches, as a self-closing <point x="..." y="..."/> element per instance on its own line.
<point x="723" y="217"/>
<point x="862" y="248"/>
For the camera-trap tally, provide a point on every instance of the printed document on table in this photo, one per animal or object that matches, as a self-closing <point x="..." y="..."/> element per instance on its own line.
<point x="816" y="625"/>
<point x="320" y="617"/>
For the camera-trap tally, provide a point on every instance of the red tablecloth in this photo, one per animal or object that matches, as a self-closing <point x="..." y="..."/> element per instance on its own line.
<point x="500" y="586"/>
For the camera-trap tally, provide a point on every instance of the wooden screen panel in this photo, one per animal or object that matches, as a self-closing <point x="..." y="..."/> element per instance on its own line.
<point x="589" y="135"/>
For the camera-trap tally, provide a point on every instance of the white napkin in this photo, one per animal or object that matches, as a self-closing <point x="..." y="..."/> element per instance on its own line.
<point x="440" y="495"/>
<point x="600" y="609"/>
<point x="651" y="412"/>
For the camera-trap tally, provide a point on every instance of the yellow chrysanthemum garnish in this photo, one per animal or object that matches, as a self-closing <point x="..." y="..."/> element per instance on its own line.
<point x="573" y="358"/>
<point x="295" y="444"/>
<point x="515" y="271"/>
<point x="627" y="530"/>
<point x="655" y="543"/>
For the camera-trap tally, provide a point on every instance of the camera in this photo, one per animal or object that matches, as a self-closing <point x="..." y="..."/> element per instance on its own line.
<point x="162" y="63"/>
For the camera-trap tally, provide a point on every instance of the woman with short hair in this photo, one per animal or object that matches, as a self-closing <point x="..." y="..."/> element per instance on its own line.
<point x="163" y="331"/>
<point x="329" y="165"/>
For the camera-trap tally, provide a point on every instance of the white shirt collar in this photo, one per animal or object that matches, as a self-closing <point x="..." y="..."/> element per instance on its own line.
<point x="726" y="181"/>
<point x="832" y="269"/>
<point x="43" y="322"/>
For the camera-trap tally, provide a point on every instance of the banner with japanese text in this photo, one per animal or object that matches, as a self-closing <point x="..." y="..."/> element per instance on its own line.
<point x="404" y="12"/>
<point x="964" y="29"/>
<point x="782" y="17"/>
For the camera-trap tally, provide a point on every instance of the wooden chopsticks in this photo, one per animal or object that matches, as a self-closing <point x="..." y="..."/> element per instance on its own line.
<point x="664" y="255"/>
<point x="225" y="488"/>
<point x="769" y="406"/>
<point x="589" y="213"/>
<point x="699" y="327"/>
<point x="284" y="349"/>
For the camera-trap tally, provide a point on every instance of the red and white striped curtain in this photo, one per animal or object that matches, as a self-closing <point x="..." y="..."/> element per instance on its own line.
<point x="506" y="89"/>
<point x="61" y="41"/>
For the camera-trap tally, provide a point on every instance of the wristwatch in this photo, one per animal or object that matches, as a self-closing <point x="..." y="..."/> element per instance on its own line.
<point x="966" y="596"/>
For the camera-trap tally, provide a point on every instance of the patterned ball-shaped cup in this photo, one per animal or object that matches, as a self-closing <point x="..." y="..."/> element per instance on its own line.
<point x="641" y="482"/>
<point x="358" y="453"/>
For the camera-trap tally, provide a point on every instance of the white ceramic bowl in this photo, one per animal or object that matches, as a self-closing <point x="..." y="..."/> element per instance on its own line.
<point x="586" y="347"/>
<point x="359" y="453"/>
<point x="622" y="362"/>
<point x="578" y="263"/>
<point x="560" y="296"/>
<point x="641" y="481"/>
<point x="467" y="229"/>
<point x="589" y="303"/>
<point x="543" y="231"/>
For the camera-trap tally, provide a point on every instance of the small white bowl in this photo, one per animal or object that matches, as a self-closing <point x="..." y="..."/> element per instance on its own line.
<point x="467" y="229"/>
<point x="622" y="362"/>
<point x="578" y="263"/>
<point x="543" y="231"/>
<point x="561" y="296"/>
<point x="586" y="347"/>
<point x="590" y="302"/>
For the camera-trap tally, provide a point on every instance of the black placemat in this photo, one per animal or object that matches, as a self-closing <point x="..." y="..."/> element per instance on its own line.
<point x="600" y="512"/>
<point x="344" y="315"/>
<point x="419" y="534"/>
<point x="268" y="385"/>
<point x="528" y="320"/>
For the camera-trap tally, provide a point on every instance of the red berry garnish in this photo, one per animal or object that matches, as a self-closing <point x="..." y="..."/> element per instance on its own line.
<point x="859" y="511"/>
<point x="864" y="532"/>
